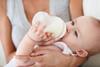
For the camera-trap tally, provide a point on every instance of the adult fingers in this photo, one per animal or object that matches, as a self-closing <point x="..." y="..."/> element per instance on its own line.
<point x="39" y="53"/>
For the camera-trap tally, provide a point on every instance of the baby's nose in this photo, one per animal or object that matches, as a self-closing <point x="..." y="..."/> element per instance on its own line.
<point x="69" y="27"/>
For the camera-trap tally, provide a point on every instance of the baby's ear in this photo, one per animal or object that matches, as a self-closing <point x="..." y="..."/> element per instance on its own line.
<point x="81" y="53"/>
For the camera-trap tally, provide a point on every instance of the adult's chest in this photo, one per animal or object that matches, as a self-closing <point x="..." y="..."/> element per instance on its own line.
<point x="33" y="6"/>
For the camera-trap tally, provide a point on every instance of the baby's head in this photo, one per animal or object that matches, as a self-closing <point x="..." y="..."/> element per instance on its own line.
<point x="83" y="36"/>
<point x="83" y="33"/>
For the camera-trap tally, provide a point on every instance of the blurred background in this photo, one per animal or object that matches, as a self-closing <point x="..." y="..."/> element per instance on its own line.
<point x="2" y="57"/>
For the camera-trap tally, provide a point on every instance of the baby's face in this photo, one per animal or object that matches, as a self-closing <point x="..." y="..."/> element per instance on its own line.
<point x="82" y="32"/>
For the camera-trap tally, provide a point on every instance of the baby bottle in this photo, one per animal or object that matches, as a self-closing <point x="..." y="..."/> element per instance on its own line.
<point x="54" y="24"/>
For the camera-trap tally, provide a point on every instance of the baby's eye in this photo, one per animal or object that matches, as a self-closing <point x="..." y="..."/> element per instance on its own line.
<point x="76" y="34"/>
<point x="73" y="23"/>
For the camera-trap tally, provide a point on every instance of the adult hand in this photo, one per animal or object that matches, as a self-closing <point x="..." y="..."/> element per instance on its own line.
<point x="48" y="56"/>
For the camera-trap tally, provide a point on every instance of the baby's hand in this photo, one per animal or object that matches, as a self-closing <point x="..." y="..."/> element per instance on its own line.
<point x="37" y="34"/>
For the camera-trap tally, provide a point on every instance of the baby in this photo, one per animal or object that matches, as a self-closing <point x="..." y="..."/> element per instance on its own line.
<point x="82" y="38"/>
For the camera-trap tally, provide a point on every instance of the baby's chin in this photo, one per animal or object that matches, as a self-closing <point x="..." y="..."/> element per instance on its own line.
<point x="54" y="24"/>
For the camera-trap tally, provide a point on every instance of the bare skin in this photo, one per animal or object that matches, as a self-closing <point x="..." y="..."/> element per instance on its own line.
<point x="76" y="8"/>
<point x="78" y="40"/>
<point x="32" y="6"/>
<point x="51" y="59"/>
<point x="76" y="37"/>
<point x="6" y="28"/>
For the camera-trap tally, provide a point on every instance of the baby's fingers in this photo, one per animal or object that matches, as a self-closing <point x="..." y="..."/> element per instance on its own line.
<point x="47" y="36"/>
<point x="40" y="29"/>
